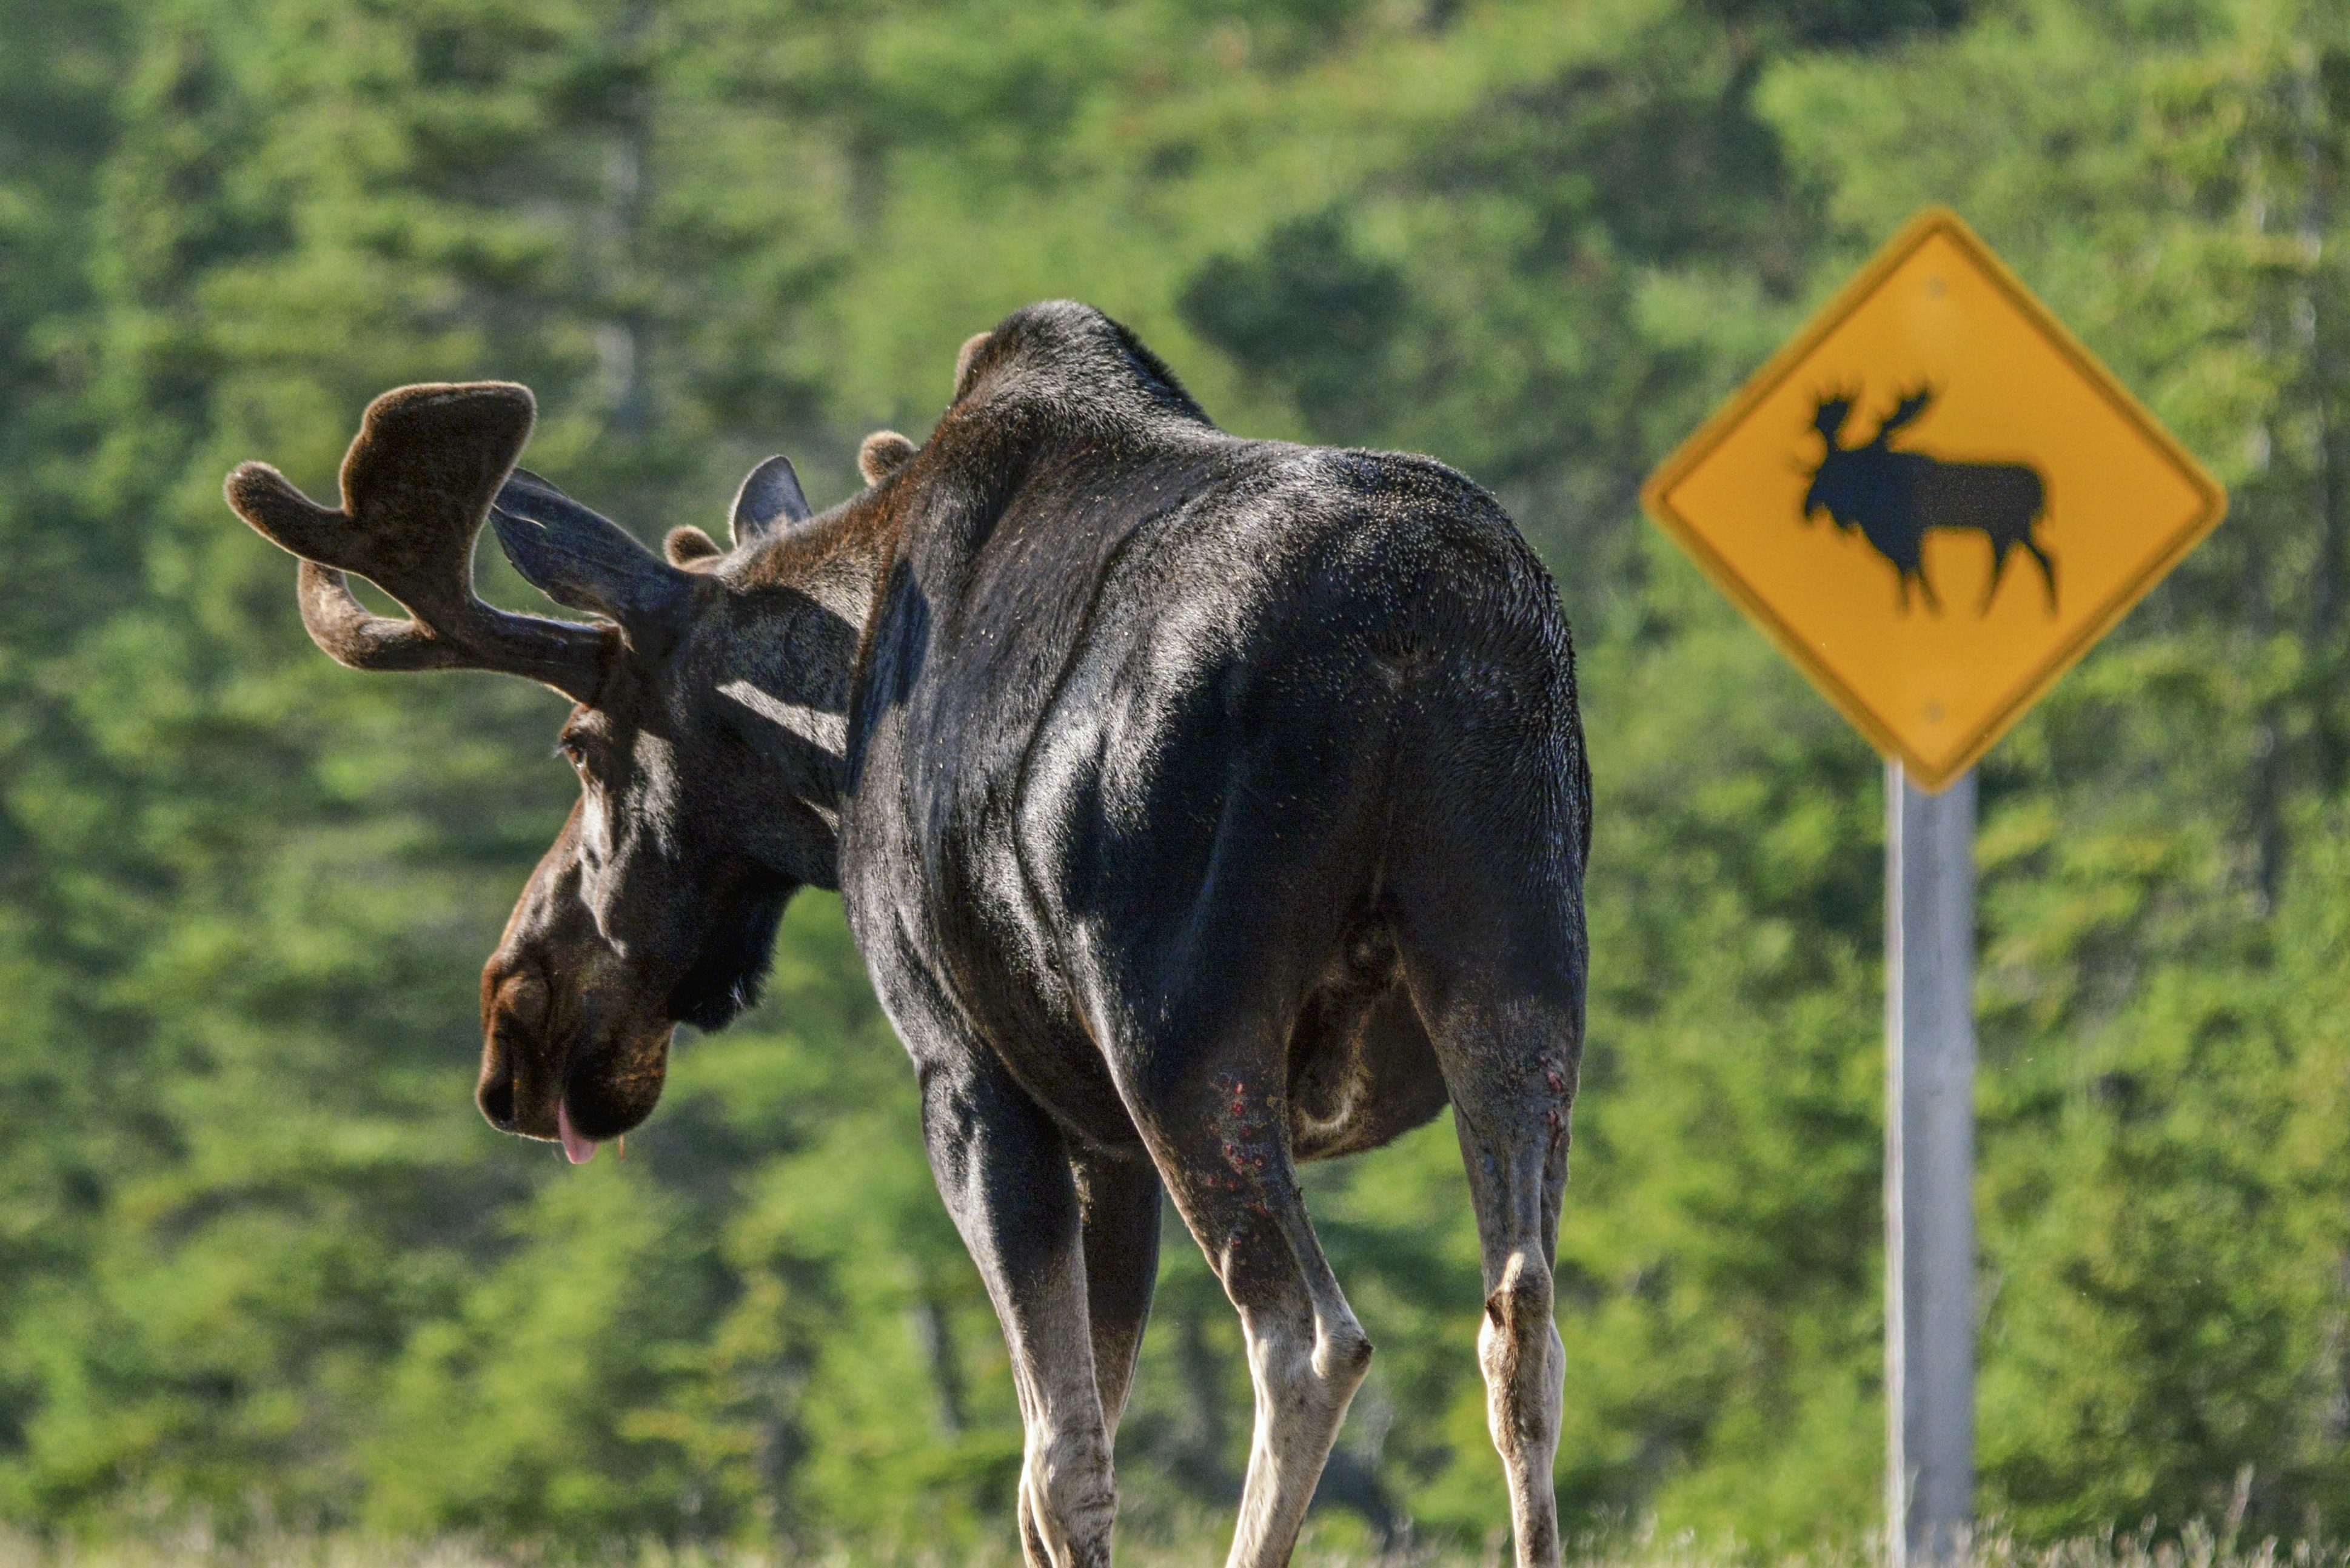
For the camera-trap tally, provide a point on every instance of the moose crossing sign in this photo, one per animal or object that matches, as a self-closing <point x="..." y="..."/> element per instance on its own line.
<point x="1934" y="499"/>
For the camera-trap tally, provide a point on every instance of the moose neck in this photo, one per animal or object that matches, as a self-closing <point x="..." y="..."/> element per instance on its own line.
<point x="789" y="660"/>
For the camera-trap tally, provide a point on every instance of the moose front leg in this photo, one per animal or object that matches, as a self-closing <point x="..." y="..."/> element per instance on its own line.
<point x="1005" y="1171"/>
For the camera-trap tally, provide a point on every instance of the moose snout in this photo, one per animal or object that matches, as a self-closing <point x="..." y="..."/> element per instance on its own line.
<point x="496" y="1098"/>
<point x="519" y="1081"/>
<point x="549" y="1053"/>
<point x="614" y="1084"/>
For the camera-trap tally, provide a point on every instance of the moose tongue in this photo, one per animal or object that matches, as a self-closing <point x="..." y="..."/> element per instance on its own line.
<point x="576" y="1149"/>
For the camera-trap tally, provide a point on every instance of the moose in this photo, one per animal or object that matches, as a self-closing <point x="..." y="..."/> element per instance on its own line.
<point x="1199" y="806"/>
<point x="1894" y="497"/>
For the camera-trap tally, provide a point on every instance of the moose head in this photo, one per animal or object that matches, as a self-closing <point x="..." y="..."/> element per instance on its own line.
<point x="1844" y="475"/>
<point x="707" y="733"/>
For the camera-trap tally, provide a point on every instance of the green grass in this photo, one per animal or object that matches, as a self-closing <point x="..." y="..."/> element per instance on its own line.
<point x="195" y="1546"/>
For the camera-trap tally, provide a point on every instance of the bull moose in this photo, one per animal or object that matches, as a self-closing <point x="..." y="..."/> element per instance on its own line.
<point x="1199" y="806"/>
<point x="1893" y="497"/>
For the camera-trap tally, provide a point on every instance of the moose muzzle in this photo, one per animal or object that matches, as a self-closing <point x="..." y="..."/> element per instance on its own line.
<point x="573" y="1049"/>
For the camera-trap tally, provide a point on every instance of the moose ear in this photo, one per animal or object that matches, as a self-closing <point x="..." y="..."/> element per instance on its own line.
<point x="686" y="544"/>
<point x="585" y="561"/>
<point x="769" y="496"/>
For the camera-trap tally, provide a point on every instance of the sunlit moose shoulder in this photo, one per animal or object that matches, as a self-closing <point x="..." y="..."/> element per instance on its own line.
<point x="1200" y="805"/>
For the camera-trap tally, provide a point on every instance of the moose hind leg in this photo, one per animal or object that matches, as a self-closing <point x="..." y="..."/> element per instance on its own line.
<point x="1118" y="1205"/>
<point x="1510" y="1061"/>
<point x="1487" y="913"/>
<point x="1307" y="1354"/>
<point x="1223" y="1151"/>
<point x="2000" y="550"/>
<point x="1003" y="1170"/>
<point x="2047" y="569"/>
<point x="1195" y="1004"/>
<point x="1517" y="1174"/>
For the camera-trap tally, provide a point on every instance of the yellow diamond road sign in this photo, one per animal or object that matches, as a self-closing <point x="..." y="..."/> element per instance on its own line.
<point x="1934" y="499"/>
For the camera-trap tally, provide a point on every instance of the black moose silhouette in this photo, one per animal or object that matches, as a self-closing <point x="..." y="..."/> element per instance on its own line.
<point x="1894" y="497"/>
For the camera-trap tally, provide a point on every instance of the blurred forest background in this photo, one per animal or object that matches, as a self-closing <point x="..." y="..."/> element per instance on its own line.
<point x="259" y="1256"/>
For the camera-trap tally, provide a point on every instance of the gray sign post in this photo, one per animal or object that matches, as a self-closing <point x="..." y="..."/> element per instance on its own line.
<point x="1929" y="1148"/>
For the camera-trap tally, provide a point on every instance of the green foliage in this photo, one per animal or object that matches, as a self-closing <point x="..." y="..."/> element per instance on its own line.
<point x="258" y="1258"/>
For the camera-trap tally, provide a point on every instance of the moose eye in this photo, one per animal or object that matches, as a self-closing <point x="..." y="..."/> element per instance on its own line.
<point x="569" y="749"/>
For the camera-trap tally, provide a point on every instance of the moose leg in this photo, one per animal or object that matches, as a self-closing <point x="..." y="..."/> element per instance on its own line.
<point x="1510" y="1069"/>
<point x="1118" y="1200"/>
<point x="2047" y="569"/>
<point x="1517" y="1169"/>
<point x="1504" y="1006"/>
<point x="1490" y="932"/>
<point x="1223" y="1149"/>
<point x="2000" y="550"/>
<point x="1005" y="1171"/>
<point x="1202" y="1064"/>
<point x="1193" y="1003"/>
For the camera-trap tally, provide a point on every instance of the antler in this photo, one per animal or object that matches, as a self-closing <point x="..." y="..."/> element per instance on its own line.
<point x="417" y="483"/>
<point x="1911" y="405"/>
<point x="1828" y="415"/>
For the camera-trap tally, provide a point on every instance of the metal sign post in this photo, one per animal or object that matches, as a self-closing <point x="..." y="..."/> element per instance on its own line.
<point x="1929" y="1160"/>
